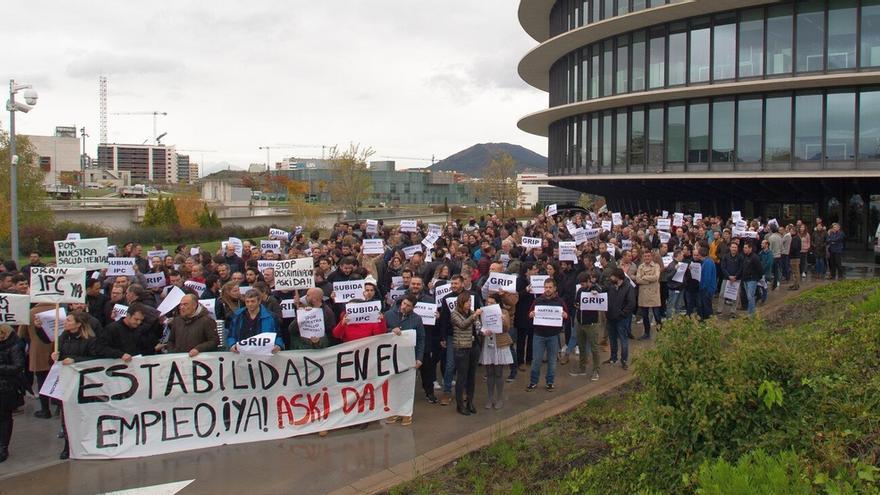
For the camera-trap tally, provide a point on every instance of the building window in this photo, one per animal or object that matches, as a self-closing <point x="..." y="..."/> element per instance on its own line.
<point x="677" y="58"/>
<point x="700" y="45"/>
<point x="842" y="34"/>
<point x="870" y="33"/>
<point x="777" y="127"/>
<point x="606" y="140"/>
<point x="808" y="128"/>
<point x="622" y="64"/>
<point x="749" y="130"/>
<point x="657" y="67"/>
<point x="751" y="43"/>
<point x="622" y="7"/>
<point x="637" y="137"/>
<point x="675" y="132"/>
<point x="594" y="71"/>
<point x="638" y="61"/>
<point x="840" y="128"/>
<point x="811" y="36"/>
<point x="607" y="68"/>
<point x="724" y="48"/>
<point x="869" y="125"/>
<point x="698" y="133"/>
<point x="656" y="132"/>
<point x="722" y="131"/>
<point x="779" y="35"/>
<point x="622" y="140"/>
<point x="594" y="141"/>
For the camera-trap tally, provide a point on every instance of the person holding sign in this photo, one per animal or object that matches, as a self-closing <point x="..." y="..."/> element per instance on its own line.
<point x="403" y="317"/>
<point x="545" y="336"/>
<point x="731" y="273"/>
<point x="39" y="352"/>
<point x="621" y="305"/>
<point x="496" y="353"/>
<point x="314" y="302"/>
<point x="252" y="320"/>
<point x="11" y="373"/>
<point x="587" y="321"/>
<point x="467" y="352"/>
<point x="346" y="332"/>
<point x="192" y="331"/>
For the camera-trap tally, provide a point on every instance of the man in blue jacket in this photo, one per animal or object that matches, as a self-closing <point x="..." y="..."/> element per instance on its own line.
<point x="399" y="318"/>
<point x="708" y="281"/>
<point x="251" y="320"/>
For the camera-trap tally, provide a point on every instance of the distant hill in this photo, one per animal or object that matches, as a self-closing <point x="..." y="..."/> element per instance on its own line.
<point x="475" y="159"/>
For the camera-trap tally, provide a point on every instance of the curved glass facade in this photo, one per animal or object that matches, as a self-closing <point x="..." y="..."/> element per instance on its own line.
<point x="778" y="40"/>
<point x="803" y="130"/>
<point x="572" y="14"/>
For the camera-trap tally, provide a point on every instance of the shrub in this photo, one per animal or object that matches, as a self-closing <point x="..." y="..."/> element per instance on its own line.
<point x="755" y="473"/>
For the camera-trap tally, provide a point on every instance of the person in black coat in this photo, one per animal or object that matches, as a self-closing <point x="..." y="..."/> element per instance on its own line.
<point x="11" y="391"/>
<point x="621" y="305"/>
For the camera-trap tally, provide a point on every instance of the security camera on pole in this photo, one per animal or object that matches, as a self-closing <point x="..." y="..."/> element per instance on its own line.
<point x="30" y="98"/>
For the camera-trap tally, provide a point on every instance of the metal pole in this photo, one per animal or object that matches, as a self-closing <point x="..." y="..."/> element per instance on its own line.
<point x="82" y="159"/>
<point x="13" y="176"/>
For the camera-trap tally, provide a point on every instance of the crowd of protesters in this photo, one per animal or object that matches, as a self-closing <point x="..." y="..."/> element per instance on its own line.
<point x="631" y="258"/>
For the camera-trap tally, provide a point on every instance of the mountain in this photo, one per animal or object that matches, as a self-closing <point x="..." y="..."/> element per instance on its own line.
<point x="475" y="159"/>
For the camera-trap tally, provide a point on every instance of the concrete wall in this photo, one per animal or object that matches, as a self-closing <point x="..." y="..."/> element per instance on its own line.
<point x="63" y="151"/>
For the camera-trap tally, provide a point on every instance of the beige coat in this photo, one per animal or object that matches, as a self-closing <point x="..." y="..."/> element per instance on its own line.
<point x="648" y="280"/>
<point x="39" y="351"/>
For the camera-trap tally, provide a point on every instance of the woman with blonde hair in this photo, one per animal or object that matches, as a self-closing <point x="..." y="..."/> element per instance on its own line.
<point x="467" y="351"/>
<point x="11" y="390"/>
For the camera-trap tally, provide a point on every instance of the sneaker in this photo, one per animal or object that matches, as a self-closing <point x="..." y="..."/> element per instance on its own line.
<point x="512" y="376"/>
<point x="563" y="358"/>
<point x="550" y="387"/>
<point x="499" y="404"/>
<point x="431" y="398"/>
<point x="437" y="386"/>
<point x="610" y="361"/>
<point x="624" y="365"/>
<point x="577" y="351"/>
<point x="595" y="376"/>
<point x="489" y="404"/>
<point x="578" y="372"/>
<point x="531" y="387"/>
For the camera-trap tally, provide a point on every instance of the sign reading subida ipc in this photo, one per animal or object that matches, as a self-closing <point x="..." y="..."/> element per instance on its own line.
<point x="169" y="403"/>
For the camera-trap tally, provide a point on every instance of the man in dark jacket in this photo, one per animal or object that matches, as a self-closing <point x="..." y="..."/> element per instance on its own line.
<point x="752" y="272"/>
<point x="233" y="260"/>
<point x="546" y="337"/>
<point x="621" y="305"/>
<point x="587" y="325"/>
<point x="731" y="272"/>
<point x="123" y="335"/>
<point x="95" y="299"/>
<point x="193" y="331"/>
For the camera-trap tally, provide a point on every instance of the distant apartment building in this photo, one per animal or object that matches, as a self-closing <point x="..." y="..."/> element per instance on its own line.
<point x="183" y="169"/>
<point x="535" y="189"/>
<point x="146" y="162"/>
<point x="58" y="154"/>
<point x="193" y="172"/>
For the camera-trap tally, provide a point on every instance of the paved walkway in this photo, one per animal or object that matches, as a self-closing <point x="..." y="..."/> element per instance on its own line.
<point x="347" y="461"/>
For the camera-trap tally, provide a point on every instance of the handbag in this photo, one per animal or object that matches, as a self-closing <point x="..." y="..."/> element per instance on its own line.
<point x="503" y="340"/>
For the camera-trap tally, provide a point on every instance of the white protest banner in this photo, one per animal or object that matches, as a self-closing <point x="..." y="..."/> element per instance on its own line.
<point x="616" y="219"/>
<point x="665" y="214"/>
<point x="295" y="274"/>
<point x="270" y="245"/>
<point x="740" y="224"/>
<point x="696" y="270"/>
<point x="281" y="235"/>
<point x="664" y="236"/>
<point x="551" y="210"/>
<point x="581" y="235"/>
<point x="428" y="312"/>
<point x="428" y="257"/>
<point x="501" y="282"/>
<point x="259" y="345"/>
<point x="367" y="312"/>
<point x="193" y="251"/>
<point x="57" y="285"/>
<point x="679" y="272"/>
<point x="731" y="290"/>
<point x="372" y="227"/>
<point x="664" y="224"/>
<point x="590" y="301"/>
<point x="395" y="294"/>
<point x="678" y="219"/>
<point x="491" y="318"/>
<point x="123" y="267"/>
<point x="606" y="225"/>
<point x="434" y="228"/>
<point x="171" y="300"/>
<point x="237" y="244"/>
<point x="531" y="242"/>
<point x="626" y="244"/>
<point x="348" y="290"/>
<point x="408" y="226"/>
<point x="568" y="251"/>
<point x="749" y="234"/>
<point x="198" y="287"/>
<point x="548" y="316"/>
<point x="47" y="322"/>
<point x="396" y="282"/>
<point x="505" y="259"/>
<point x="571" y="227"/>
<point x="668" y="259"/>
<point x="288" y="308"/>
<point x="409" y="251"/>
<point x="736" y="215"/>
<point x="242" y="289"/>
<point x="262" y="265"/>
<point x="90" y="254"/>
<point x="15" y="309"/>
<point x="155" y="280"/>
<point x="118" y="312"/>
<point x="73" y="236"/>
<point x="590" y="234"/>
<point x="111" y="250"/>
<point x="171" y="403"/>
<point x="611" y="248"/>
<point x="210" y="306"/>
<point x="373" y="246"/>
<point x="430" y="239"/>
<point x="451" y="302"/>
<point x="441" y="290"/>
<point x="537" y="283"/>
<point x="52" y="383"/>
<point x="698" y="217"/>
<point x="160" y="253"/>
<point x="311" y="322"/>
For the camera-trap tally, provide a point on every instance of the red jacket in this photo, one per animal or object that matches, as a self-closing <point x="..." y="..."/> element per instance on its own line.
<point x="355" y="331"/>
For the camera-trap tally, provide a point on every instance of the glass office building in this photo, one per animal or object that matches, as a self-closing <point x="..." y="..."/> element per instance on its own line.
<point x="770" y="107"/>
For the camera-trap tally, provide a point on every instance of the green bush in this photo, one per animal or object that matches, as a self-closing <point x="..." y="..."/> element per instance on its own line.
<point x="756" y="473"/>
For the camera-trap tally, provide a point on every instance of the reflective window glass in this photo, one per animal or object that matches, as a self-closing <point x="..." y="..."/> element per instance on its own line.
<point x="656" y="131"/>
<point x="779" y="33"/>
<point x="840" y="127"/>
<point x="594" y="140"/>
<point x="622" y="139"/>
<point x="657" y="63"/>
<point x="751" y="43"/>
<point x="594" y="72"/>
<point x="606" y="139"/>
<point x="675" y="132"/>
<point x="698" y="133"/>
<point x="811" y="36"/>
<point x="639" y="5"/>
<point x="677" y="58"/>
<point x="622" y="7"/>
<point x="608" y="68"/>
<point x="777" y="147"/>
<point x="808" y="127"/>
<point x="608" y="11"/>
<point x="724" y="51"/>
<point x="869" y="125"/>
<point x="870" y="33"/>
<point x="638" y="61"/>
<point x="842" y="34"/>
<point x="749" y="130"/>
<point x="622" y="64"/>
<point x="700" y="55"/>
<point x="637" y="137"/>
<point x="722" y="131"/>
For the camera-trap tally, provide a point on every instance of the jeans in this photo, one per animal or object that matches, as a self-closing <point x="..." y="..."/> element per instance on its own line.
<point x="429" y="365"/>
<point x="618" y="334"/>
<point x="751" y="285"/>
<point x="820" y="265"/>
<point x="704" y="304"/>
<point x="572" y="340"/>
<point x="646" y="318"/>
<point x="550" y="345"/>
<point x="786" y="266"/>
<point x="777" y="272"/>
<point x="588" y="342"/>
<point x="449" y="372"/>
<point x="465" y="373"/>
<point x="692" y="302"/>
<point x="673" y="302"/>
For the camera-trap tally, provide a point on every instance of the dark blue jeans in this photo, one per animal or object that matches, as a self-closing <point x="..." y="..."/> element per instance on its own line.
<point x="618" y="335"/>
<point x="704" y="304"/>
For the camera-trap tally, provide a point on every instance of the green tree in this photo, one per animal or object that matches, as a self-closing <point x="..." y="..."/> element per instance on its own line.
<point x="150" y="217"/>
<point x="32" y="207"/>
<point x="169" y="212"/>
<point x="207" y="218"/>
<point x="352" y="183"/>
<point x="499" y="180"/>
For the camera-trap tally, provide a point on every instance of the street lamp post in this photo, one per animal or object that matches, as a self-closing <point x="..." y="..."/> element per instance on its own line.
<point x="82" y="159"/>
<point x="30" y="97"/>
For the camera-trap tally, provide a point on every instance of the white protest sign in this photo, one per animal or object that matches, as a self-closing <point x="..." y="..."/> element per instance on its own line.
<point x="664" y="236"/>
<point x="698" y="217"/>
<point x="736" y="215"/>
<point x="593" y="302"/>
<point x="372" y="227"/>
<point x="155" y="280"/>
<point x="120" y="267"/>
<point x="73" y="236"/>
<point x="259" y="345"/>
<point x="491" y="318"/>
<point x="237" y="244"/>
<point x="15" y="309"/>
<point x="160" y="253"/>
<point x="430" y="239"/>
<point x="590" y="234"/>
<point x="311" y="322"/>
<point x="366" y="312"/>
<point x="679" y="272"/>
<point x="210" y="306"/>
<point x="616" y="219"/>
<point x="408" y="226"/>
<point x="428" y="312"/>
<point x="373" y="246"/>
<point x="731" y="290"/>
<point x="52" y="384"/>
<point x="665" y="214"/>
<point x="451" y="302"/>
<point x="270" y="245"/>
<point x="626" y="244"/>
<point x="678" y="219"/>
<point x="111" y="250"/>
<point x="580" y="236"/>
<point x="664" y="224"/>
<point x="440" y="291"/>
<point x="434" y="228"/>
<point x="741" y="224"/>
<point x="696" y="270"/>
<point x="198" y="287"/>
<point x="505" y="259"/>
<point x="288" y="308"/>
<point x="502" y="282"/>
<point x="396" y="282"/>
<point x="568" y="251"/>
<point x="348" y="290"/>
<point x="551" y="210"/>
<point x="537" y="283"/>
<point x="281" y="235"/>
<point x="295" y="274"/>
<point x="395" y="294"/>
<point x="47" y="322"/>
<point x="606" y="225"/>
<point x="90" y="254"/>
<point x="171" y="300"/>
<point x="531" y="242"/>
<point x="548" y="316"/>
<point x="118" y="312"/>
<point x="57" y="285"/>
<point x="409" y="251"/>
<point x="193" y="251"/>
<point x="668" y="259"/>
<point x="611" y="249"/>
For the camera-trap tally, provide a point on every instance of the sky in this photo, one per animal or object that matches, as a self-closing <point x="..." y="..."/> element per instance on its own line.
<point x="406" y="78"/>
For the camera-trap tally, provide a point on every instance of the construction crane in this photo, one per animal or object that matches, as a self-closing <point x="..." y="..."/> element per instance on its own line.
<point x="313" y="146"/>
<point x="154" y="113"/>
<point x="432" y="159"/>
